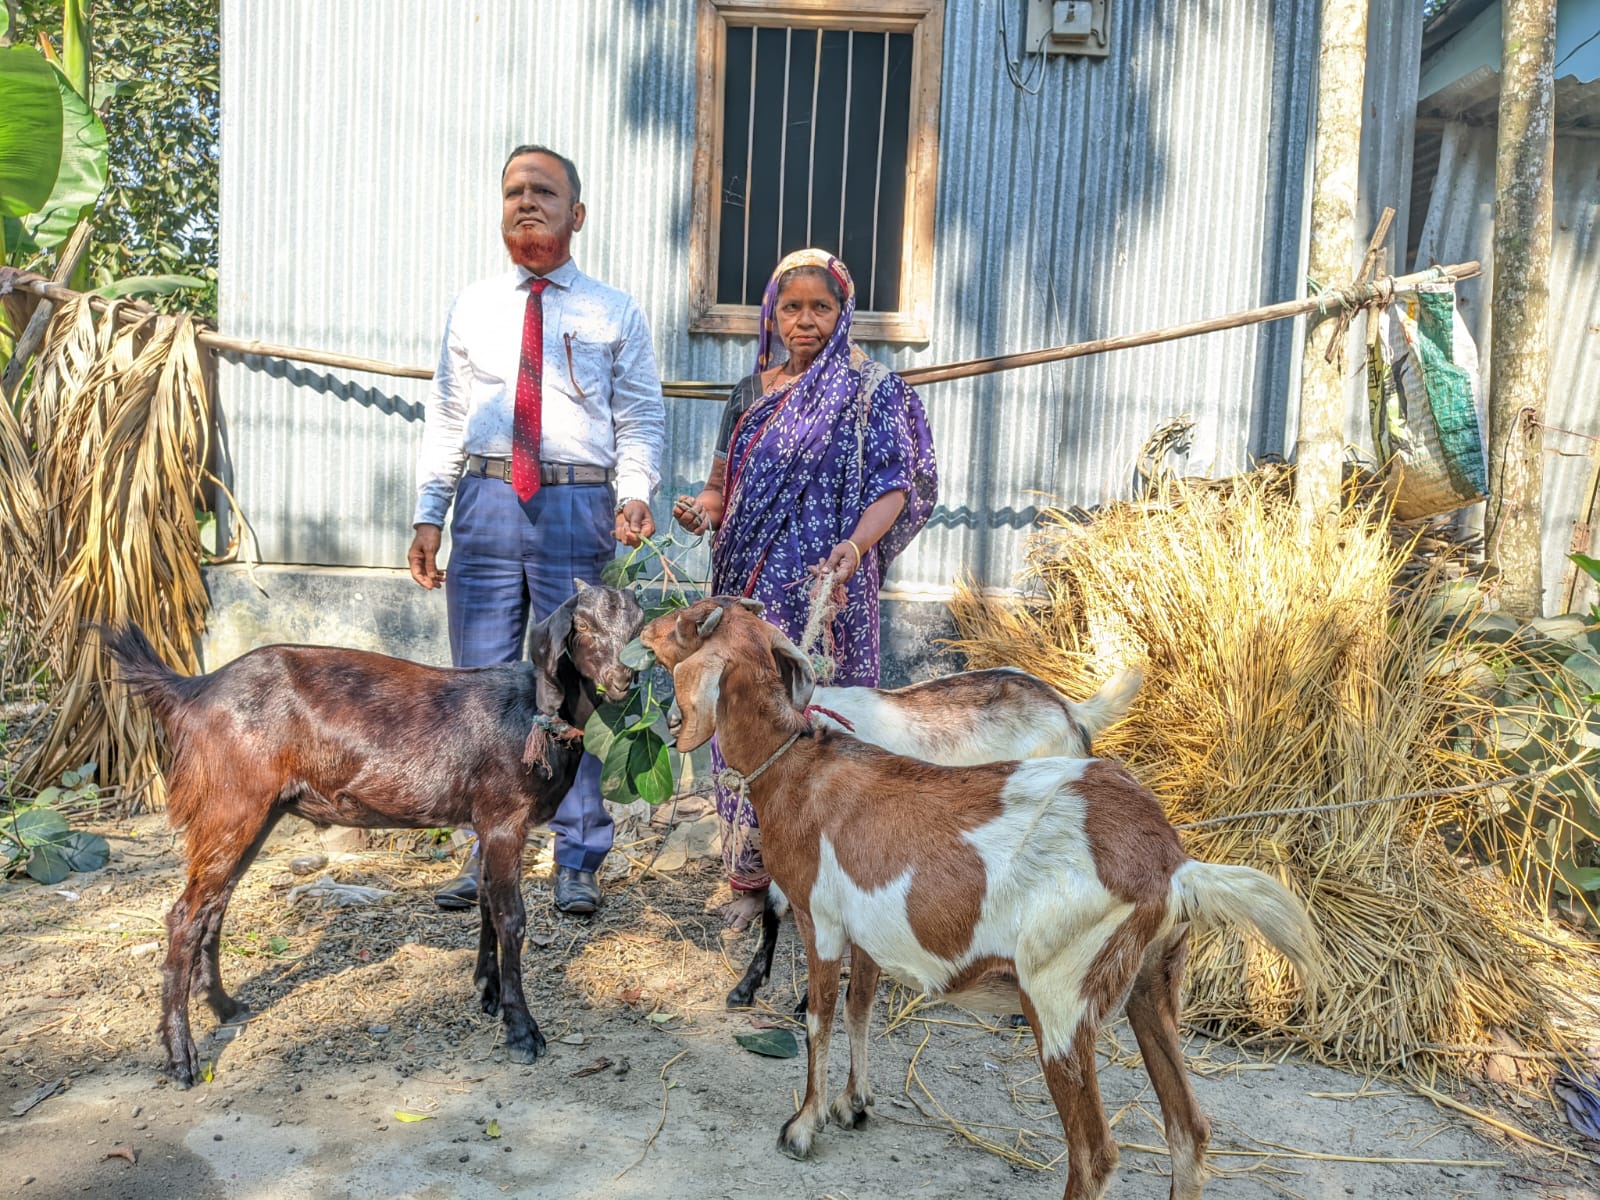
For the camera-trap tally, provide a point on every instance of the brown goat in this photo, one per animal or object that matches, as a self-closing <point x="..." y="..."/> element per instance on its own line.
<point x="1056" y="884"/>
<point x="346" y="737"/>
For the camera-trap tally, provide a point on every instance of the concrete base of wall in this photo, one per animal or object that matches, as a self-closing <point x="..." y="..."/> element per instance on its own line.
<point x="383" y="610"/>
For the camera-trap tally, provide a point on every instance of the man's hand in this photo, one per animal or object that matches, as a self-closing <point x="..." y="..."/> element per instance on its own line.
<point x="423" y="557"/>
<point x="634" y="523"/>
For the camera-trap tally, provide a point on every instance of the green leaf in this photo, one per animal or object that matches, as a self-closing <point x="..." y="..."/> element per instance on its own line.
<point x="85" y="851"/>
<point x="773" y="1043"/>
<point x="614" y="771"/>
<point x="40" y="825"/>
<point x="654" y="783"/>
<point x="82" y="176"/>
<point x="1589" y="566"/>
<point x="148" y="285"/>
<point x="49" y="796"/>
<point x="69" y="779"/>
<point x="492" y="1129"/>
<point x="1585" y="879"/>
<point x="410" y="1118"/>
<point x="277" y="944"/>
<point x="30" y="130"/>
<point x="620" y="572"/>
<point x="636" y="656"/>
<point x="597" y="734"/>
<point x="48" y="864"/>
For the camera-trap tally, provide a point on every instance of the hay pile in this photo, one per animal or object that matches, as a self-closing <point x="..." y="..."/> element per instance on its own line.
<point x="1286" y="674"/>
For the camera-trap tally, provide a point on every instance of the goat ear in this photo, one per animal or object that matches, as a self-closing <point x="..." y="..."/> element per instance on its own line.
<point x="793" y="667"/>
<point x="547" y="645"/>
<point x="697" y="682"/>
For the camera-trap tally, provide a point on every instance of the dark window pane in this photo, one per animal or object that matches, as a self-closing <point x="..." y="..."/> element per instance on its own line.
<point x="828" y="175"/>
<point x="763" y="249"/>
<point x="861" y="157"/>
<point x="797" y="140"/>
<point x="735" y="165"/>
<point x="892" y="187"/>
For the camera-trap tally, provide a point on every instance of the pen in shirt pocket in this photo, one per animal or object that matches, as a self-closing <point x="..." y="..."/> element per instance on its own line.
<point x="571" y="373"/>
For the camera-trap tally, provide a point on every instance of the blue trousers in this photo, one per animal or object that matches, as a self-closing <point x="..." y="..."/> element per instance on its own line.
<point x="505" y="558"/>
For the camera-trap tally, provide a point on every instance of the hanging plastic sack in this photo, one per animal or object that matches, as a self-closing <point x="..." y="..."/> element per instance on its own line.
<point x="1428" y="405"/>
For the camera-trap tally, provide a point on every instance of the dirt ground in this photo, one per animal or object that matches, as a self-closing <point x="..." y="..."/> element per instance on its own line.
<point x="366" y="1012"/>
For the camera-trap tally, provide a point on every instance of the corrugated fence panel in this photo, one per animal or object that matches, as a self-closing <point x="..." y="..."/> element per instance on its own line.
<point x="1078" y="198"/>
<point x="1460" y="226"/>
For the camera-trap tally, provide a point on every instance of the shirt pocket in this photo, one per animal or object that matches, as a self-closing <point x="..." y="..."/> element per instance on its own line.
<point x="585" y="366"/>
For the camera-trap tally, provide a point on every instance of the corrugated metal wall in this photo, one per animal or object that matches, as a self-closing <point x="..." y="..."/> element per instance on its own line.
<point x="1460" y="226"/>
<point x="361" y="153"/>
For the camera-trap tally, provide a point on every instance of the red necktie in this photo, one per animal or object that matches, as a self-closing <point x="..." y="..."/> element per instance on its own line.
<point x="525" y="425"/>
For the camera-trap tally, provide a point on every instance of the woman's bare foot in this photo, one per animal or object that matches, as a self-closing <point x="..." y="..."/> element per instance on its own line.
<point x="744" y="908"/>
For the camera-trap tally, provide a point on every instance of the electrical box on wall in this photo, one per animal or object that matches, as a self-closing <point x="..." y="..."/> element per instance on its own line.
<point x="1068" y="27"/>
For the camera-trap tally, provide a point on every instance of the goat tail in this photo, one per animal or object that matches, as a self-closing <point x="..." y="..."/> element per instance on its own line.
<point x="1211" y="894"/>
<point x="1111" y="703"/>
<point x="143" y="672"/>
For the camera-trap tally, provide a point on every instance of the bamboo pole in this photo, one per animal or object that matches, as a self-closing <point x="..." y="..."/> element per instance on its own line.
<point x="1327" y="304"/>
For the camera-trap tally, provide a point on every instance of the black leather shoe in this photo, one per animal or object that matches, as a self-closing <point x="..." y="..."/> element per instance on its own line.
<point x="462" y="892"/>
<point x="576" y="891"/>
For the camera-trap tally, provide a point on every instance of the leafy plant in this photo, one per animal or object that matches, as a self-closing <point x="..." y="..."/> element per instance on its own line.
<point x="1540" y="722"/>
<point x="35" y="837"/>
<point x="628" y="735"/>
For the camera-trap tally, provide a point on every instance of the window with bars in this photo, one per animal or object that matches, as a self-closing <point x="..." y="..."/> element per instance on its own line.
<point x="817" y="126"/>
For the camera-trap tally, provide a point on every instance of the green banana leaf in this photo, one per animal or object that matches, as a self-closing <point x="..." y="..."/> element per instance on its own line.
<point x="30" y="130"/>
<point x="82" y="176"/>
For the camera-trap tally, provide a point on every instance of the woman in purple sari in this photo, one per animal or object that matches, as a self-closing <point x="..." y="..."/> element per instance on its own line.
<point x="824" y="466"/>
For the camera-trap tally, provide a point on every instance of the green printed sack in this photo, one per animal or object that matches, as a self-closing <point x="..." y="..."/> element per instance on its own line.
<point x="1427" y="404"/>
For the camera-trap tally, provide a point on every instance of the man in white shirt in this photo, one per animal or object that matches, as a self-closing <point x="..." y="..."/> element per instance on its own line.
<point x="544" y="427"/>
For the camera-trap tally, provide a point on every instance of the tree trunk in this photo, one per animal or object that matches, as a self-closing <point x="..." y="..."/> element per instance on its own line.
<point x="1335" y="183"/>
<point x="1519" y="344"/>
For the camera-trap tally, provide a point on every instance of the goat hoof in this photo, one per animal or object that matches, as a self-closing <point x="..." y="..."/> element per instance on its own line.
<point x="849" y="1113"/>
<point x="529" y="1051"/>
<point x="796" y="1139"/>
<point x="742" y="996"/>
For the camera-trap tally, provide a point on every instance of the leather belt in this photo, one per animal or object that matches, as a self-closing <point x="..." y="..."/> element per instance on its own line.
<point x="549" y="473"/>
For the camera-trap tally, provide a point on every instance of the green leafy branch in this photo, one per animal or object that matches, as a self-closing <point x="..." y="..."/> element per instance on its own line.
<point x="629" y="735"/>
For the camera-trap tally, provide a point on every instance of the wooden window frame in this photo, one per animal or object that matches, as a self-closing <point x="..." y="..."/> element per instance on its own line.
<point x="924" y="20"/>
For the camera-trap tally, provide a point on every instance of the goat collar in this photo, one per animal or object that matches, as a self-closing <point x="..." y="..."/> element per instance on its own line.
<point x="729" y="778"/>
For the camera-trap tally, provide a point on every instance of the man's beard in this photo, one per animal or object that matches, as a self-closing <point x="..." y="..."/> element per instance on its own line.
<point x="535" y="250"/>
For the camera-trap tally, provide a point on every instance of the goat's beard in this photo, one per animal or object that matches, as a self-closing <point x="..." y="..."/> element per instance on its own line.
<point x="538" y="252"/>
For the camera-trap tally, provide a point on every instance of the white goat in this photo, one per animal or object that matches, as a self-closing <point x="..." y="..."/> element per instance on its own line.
<point x="1056" y="884"/>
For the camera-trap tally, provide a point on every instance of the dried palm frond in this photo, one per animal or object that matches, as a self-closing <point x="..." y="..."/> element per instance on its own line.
<point x="1297" y="715"/>
<point x="117" y="427"/>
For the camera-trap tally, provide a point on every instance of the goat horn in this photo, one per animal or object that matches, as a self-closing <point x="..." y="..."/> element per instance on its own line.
<point x="754" y="606"/>
<point x="710" y="622"/>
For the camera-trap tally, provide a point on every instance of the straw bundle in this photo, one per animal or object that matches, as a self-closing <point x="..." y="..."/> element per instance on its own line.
<point x="1286" y="672"/>
<point x="104" y="464"/>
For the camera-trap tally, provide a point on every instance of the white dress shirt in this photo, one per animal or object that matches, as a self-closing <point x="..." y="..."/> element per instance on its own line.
<point x="600" y="388"/>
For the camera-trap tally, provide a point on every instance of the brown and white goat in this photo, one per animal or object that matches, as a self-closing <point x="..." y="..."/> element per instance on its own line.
<point x="346" y="737"/>
<point x="971" y="717"/>
<point x="1055" y="884"/>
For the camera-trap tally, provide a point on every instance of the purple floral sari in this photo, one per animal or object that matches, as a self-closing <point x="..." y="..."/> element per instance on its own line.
<point x="805" y="461"/>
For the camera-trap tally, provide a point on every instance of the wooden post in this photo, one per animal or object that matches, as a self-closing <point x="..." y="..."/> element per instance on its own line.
<point x="1519" y="345"/>
<point x="1336" y="176"/>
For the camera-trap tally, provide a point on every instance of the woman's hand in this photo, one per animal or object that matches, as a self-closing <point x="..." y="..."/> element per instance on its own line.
<point x="700" y="514"/>
<point x="843" y="562"/>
